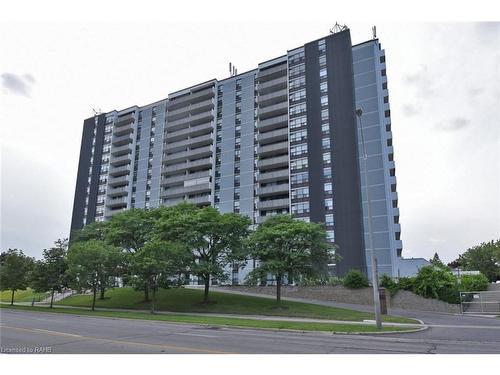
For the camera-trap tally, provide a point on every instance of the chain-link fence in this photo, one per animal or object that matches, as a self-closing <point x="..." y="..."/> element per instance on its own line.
<point x="480" y="302"/>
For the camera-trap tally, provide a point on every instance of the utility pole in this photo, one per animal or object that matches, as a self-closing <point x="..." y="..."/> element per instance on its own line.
<point x="376" y="298"/>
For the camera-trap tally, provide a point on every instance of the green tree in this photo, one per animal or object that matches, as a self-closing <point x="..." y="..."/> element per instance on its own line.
<point x="286" y="247"/>
<point x="435" y="282"/>
<point x="215" y="239"/>
<point x="49" y="274"/>
<point x="164" y="264"/>
<point x="96" y="230"/>
<point x="131" y="230"/>
<point x="436" y="261"/>
<point x="92" y="264"/>
<point x="355" y="279"/>
<point x="483" y="258"/>
<point x="15" y="271"/>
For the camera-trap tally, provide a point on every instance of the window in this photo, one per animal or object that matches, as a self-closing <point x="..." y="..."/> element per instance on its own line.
<point x="323" y="87"/>
<point x="296" y="70"/>
<point x="322" y="60"/>
<point x="300" y="208"/>
<point x="298" y="136"/>
<point x="328" y="188"/>
<point x="295" y="83"/>
<point x="324" y="100"/>
<point x="326" y="143"/>
<point x="330" y="235"/>
<point x="297" y="164"/>
<point x="298" y="149"/>
<point x="321" y="46"/>
<point x="298" y="122"/>
<point x="329" y="204"/>
<point x="327" y="172"/>
<point x="325" y="128"/>
<point x="383" y="72"/>
<point x="322" y="73"/>
<point x="299" y="178"/>
<point x="324" y="114"/>
<point x="300" y="193"/>
<point x="297" y="109"/>
<point x="329" y="220"/>
<point x="297" y="96"/>
<point x="327" y="157"/>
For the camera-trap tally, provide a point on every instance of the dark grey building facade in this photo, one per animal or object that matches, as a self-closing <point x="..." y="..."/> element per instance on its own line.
<point x="282" y="138"/>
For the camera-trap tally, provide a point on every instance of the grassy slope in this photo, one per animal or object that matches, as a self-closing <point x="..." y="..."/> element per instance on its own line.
<point x="218" y="321"/>
<point x="189" y="300"/>
<point x="22" y="295"/>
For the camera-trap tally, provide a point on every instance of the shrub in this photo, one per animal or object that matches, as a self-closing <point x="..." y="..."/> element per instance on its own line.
<point x="312" y="281"/>
<point x="355" y="279"/>
<point x="406" y="283"/>
<point x="473" y="283"/>
<point x="334" y="281"/>
<point x="439" y="283"/>
<point x="388" y="283"/>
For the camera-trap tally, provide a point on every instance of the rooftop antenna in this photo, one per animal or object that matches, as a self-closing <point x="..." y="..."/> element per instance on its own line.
<point x="230" y="68"/>
<point x="374" y="31"/>
<point x="96" y="112"/>
<point x="338" y="28"/>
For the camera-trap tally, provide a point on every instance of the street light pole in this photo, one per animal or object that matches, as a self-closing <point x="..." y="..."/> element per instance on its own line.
<point x="376" y="298"/>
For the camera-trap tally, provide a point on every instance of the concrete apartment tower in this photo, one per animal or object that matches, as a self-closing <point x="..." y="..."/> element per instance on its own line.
<point x="282" y="138"/>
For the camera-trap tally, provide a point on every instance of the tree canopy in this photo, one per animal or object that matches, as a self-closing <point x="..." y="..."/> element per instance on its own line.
<point x="15" y="271"/>
<point x="287" y="247"/>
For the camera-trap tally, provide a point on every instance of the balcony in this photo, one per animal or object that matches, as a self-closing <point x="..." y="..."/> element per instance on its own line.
<point x="192" y="131"/>
<point x="119" y="171"/>
<point x="202" y="140"/>
<point x="273" y="123"/>
<point x="122" y="140"/>
<point x="117" y="202"/>
<point x="273" y="176"/>
<point x="185" y="190"/>
<point x="120" y="160"/>
<point x="273" y="98"/>
<point x="273" y="190"/>
<point x="120" y="150"/>
<point x="273" y="204"/>
<point x="196" y="164"/>
<point x="118" y="181"/>
<point x="204" y="200"/>
<point x="125" y="129"/>
<point x="273" y="136"/>
<point x="124" y="120"/>
<point x="184" y="177"/>
<point x="272" y="85"/>
<point x="118" y="191"/>
<point x="272" y="163"/>
<point x="205" y="105"/>
<point x="184" y="122"/>
<point x="273" y="149"/>
<point x="197" y="152"/>
<point x="399" y="244"/>
<point x="191" y="98"/>
<point x="273" y="110"/>
<point x="272" y="73"/>
<point x="111" y="213"/>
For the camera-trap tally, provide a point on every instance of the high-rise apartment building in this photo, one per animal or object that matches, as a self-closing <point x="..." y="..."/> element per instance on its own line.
<point x="282" y="138"/>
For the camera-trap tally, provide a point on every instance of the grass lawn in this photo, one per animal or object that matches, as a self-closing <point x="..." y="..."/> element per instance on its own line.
<point x="219" y="321"/>
<point x="22" y="296"/>
<point x="189" y="300"/>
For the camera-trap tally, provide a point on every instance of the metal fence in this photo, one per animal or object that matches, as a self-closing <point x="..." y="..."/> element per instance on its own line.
<point x="480" y="302"/>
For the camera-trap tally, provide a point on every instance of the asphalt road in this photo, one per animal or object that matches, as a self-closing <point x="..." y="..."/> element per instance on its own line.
<point x="61" y="333"/>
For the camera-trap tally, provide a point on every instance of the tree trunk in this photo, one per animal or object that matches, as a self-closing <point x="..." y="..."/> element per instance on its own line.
<point x="52" y="298"/>
<point x="207" y="286"/>
<point x="278" y="289"/>
<point x="102" y="293"/>
<point x="146" y="292"/>
<point x="93" y="298"/>
<point x="153" y="301"/>
<point x="12" y="299"/>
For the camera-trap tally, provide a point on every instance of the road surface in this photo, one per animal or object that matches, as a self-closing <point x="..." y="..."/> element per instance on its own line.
<point x="63" y="333"/>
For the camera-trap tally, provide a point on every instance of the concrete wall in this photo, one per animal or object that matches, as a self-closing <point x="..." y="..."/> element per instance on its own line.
<point x="402" y="300"/>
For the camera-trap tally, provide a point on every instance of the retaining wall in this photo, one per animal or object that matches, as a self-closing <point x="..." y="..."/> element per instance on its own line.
<point x="364" y="296"/>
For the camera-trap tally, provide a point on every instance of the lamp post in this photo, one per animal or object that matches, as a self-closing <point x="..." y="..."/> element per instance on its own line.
<point x="376" y="298"/>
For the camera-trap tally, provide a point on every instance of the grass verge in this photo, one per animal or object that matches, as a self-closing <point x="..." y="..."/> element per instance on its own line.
<point x="22" y="296"/>
<point x="219" y="321"/>
<point x="189" y="301"/>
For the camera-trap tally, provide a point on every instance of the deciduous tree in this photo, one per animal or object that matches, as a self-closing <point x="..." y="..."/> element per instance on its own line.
<point x="15" y="271"/>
